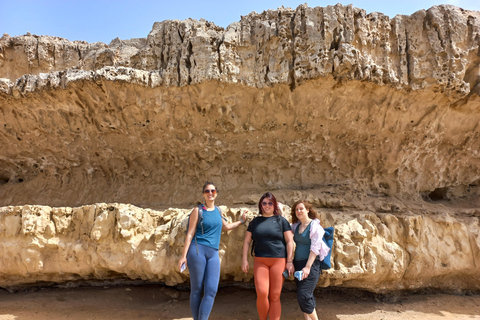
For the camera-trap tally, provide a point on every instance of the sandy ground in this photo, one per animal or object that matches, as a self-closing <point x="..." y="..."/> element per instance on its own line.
<point x="157" y="302"/>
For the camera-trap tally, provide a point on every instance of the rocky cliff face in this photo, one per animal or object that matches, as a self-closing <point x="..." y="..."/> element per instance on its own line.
<point x="380" y="252"/>
<point x="373" y="117"/>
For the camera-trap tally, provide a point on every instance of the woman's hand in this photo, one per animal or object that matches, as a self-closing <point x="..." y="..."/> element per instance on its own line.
<point x="290" y="268"/>
<point x="245" y="266"/>
<point x="243" y="217"/>
<point x="182" y="261"/>
<point x="306" y="272"/>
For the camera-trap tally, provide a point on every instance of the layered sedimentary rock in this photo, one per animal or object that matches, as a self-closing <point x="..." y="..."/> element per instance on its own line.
<point x="380" y="252"/>
<point x="370" y="116"/>
<point x="286" y="99"/>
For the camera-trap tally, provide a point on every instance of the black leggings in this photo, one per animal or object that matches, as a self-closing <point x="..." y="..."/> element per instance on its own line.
<point x="305" y="288"/>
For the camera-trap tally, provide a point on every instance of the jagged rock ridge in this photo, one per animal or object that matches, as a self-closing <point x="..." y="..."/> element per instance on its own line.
<point x="437" y="49"/>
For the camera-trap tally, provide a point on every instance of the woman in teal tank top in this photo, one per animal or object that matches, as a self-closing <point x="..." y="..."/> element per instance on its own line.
<point x="201" y="254"/>
<point x="309" y="251"/>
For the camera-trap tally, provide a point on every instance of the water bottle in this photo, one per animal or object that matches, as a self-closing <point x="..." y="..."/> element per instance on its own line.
<point x="298" y="275"/>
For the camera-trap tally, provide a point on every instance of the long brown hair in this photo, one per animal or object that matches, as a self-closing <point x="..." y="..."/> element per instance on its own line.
<point x="312" y="214"/>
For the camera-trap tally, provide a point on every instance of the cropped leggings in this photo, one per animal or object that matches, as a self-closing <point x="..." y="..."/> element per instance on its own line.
<point x="204" y="268"/>
<point x="306" y="287"/>
<point x="268" y="284"/>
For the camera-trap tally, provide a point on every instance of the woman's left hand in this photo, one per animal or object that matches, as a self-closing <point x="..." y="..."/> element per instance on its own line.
<point x="306" y="272"/>
<point x="243" y="217"/>
<point x="290" y="268"/>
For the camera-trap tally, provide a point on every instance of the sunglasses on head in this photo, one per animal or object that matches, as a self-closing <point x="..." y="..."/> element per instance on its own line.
<point x="264" y="203"/>
<point x="213" y="191"/>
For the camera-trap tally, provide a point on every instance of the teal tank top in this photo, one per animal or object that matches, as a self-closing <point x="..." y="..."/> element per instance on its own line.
<point x="212" y="229"/>
<point x="302" y="242"/>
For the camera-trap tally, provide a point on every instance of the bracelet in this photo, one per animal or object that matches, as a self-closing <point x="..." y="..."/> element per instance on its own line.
<point x="289" y="261"/>
<point x="241" y="220"/>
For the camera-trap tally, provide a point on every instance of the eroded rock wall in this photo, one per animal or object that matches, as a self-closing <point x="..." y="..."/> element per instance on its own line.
<point x="373" y="119"/>
<point x="110" y="140"/>
<point x="322" y="95"/>
<point x="380" y="252"/>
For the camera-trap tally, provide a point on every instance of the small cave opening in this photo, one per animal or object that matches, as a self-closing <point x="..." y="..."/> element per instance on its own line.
<point x="475" y="183"/>
<point x="4" y="180"/>
<point x="438" y="194"/>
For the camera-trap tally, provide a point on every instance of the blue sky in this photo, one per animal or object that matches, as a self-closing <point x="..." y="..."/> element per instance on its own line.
<point x="104" y="20"/>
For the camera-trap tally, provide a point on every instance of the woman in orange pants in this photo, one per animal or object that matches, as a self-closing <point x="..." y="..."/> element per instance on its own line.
<point x="273" y="246"/>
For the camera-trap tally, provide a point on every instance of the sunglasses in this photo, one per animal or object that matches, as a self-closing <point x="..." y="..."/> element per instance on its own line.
<point x="213" y="191"/>
<point x="264" y="203"/>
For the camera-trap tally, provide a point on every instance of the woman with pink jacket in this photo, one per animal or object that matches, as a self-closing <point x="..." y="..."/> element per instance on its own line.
<point x="309" y="251"/>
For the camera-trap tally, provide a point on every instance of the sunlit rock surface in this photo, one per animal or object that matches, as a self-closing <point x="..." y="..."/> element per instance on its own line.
<point x="374" y="119"/>
<point x="380" y="252"/>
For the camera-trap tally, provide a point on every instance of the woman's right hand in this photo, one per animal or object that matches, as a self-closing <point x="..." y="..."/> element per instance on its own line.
<point x="182" y="261"/>
<point x="245" y="266"/>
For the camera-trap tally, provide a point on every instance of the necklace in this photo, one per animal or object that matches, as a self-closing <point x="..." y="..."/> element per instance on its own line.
<point x="306" y="223"/>
<point x="304" y="226"/>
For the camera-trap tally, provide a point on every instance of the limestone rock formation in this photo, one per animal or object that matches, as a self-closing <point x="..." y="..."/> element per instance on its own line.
<point x="374" y="119"/>
<point x="380" y="252"/>
<point x="322" y="95"/>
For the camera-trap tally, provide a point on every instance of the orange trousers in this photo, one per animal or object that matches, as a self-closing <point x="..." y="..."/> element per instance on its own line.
<point x="268" y="284"/>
